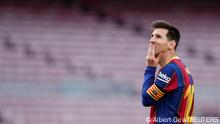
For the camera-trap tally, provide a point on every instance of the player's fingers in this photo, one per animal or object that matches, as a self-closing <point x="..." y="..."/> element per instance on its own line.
<point x="153" y="51"/>
<point x="149" y="50"/>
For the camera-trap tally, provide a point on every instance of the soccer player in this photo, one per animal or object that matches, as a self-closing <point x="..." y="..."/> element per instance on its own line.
<point x="171" y="92"/>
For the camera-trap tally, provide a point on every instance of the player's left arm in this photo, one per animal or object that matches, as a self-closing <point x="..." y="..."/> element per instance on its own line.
<point x="153" y="89"/>
<point x="149" y="77"/>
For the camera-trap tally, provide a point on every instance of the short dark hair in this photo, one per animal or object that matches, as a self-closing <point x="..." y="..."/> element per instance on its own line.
<point x="172" y="34"/>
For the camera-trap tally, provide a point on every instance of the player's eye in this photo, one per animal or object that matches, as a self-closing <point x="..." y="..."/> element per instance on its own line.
<point x="158" y="36"/>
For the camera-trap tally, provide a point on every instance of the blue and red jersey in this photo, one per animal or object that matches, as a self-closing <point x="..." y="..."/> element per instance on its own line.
<point x="170" y="94"/>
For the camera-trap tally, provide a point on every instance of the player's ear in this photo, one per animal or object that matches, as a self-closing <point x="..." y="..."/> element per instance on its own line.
<point x="171" y="44"/>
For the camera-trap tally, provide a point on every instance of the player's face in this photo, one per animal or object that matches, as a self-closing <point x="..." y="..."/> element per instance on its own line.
<point x="159" y="40"/>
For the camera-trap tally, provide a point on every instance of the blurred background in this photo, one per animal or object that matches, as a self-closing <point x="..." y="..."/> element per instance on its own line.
<point x="82" y="61"/>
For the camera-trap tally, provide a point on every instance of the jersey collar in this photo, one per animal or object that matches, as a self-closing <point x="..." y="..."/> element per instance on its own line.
<point x="174" y="57"/>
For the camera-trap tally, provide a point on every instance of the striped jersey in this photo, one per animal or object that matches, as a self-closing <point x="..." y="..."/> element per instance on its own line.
<point x="170" y="93"/>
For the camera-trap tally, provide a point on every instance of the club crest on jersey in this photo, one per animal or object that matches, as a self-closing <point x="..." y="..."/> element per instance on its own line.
<point x="163" y="77"/>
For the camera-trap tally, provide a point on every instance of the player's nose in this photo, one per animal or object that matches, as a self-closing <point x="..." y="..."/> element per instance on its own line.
<point x="152" y="41"/>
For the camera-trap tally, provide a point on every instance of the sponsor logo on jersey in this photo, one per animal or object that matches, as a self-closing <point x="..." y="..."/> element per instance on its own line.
<point x="163" y="77"/>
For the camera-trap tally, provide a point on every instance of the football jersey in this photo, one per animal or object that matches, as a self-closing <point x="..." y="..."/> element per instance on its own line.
<point x="170" y="93"/>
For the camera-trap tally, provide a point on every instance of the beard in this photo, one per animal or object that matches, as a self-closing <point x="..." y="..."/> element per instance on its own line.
<point x="159" y="52"/>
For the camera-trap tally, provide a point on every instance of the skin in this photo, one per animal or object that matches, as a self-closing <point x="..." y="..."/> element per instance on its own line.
<point x="160" y="48"/>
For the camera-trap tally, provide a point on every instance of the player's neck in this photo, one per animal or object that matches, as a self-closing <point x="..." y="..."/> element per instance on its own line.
<point x="167" y="56"/>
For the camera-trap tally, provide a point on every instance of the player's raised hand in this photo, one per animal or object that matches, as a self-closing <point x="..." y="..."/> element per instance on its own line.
<point x="151" y="59"/>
